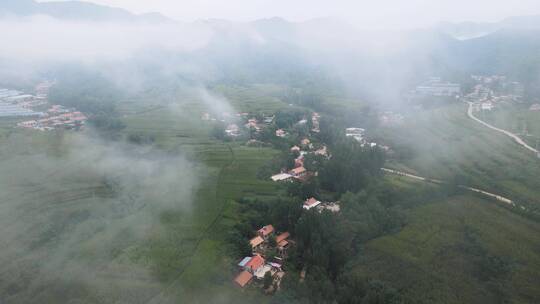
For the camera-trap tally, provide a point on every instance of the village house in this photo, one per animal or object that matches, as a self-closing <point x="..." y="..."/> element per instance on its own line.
<point x="297" y="172"/>
<point x="276" y="264"/>
<point x="311" y="203"/>
<point x="332" y="207"/>
<point x="487" y="106"/>
<point x="243" y="278"/>
<point x="371" y="144"/>
<point x="243" y="262"/>
<point x="256" y="242"/>
<point x="356" y="133"/>
<point x="57" y="109"/>
<point x="305" y="177"/>
<point x="436" y="87"/>
<point x="305" y="142"/>
<point x="4" y="93"/>
<point x="295" y="149"/>
<point x="253" y="124"/>
<point x="232" y="130"/>
<point x="254" y="263"/>
<point x="281" y="133"/>
<point x="19" y="98"/>
<point x="299" y="161"/>
<point x="322" y="151"/>
<point x="261" y="271"/>
<point x="266" y="231"/>
<point x="256" y="266"/>
<point x="281" y="241"/>
<point x="281" y="177"/>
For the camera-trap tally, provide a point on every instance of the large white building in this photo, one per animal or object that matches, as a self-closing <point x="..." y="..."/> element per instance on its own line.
<point x="435" y="87"/>
<point x="5" y="93"/>
<point x="9" y="110"/>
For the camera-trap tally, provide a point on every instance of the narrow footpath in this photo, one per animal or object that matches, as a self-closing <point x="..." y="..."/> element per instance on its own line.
<point x="507" y="133"/>
<point x="436" y="181"/>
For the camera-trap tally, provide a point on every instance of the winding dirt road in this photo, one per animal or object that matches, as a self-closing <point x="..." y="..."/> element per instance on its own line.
<point x="436" y="181"/>
<point x="510" y="134"/>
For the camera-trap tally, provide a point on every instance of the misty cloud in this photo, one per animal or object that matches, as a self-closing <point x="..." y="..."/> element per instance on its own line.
<point x="41" y="38"/>
<point x="216" y="104"/>
<point x="366" y="14"/>
<point x="73" y="221"/>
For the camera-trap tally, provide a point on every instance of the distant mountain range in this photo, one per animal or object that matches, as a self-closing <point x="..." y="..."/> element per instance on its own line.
<point x="451" y="50"/>
<point x="273" y="27"/>
<point x="468" y="30"/>
<point x="76" y="11"/>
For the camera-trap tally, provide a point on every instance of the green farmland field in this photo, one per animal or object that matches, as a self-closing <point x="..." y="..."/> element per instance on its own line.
<point x="100" y="221"/>
<point x="445" y="144"/>
<point x="156" y="247"/>
<point x="462" y="250"/>
<point x="516" y="119"/>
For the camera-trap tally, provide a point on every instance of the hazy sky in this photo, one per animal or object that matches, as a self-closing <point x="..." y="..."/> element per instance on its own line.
<point x="365" y="13"/>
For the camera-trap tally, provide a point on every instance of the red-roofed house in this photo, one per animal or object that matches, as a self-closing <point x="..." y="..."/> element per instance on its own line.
<point x="254" y="264"/>
<point x="281" y="240"/>
<point x="281" y="133"/>
<point x="243" y="278"/>
<point x="322" y="151"/>
<point x="299" y="161"/>
<point x="298" y="171"/>
<point x="282" y="237"/>
<point x="256" y="242"/>
<point x="265" y="231"/>
<point x="311" y="203"/>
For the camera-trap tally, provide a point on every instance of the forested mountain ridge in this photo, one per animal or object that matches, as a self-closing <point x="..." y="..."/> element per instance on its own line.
<point x="468" y="30"/>
<point x="76" y="10"/>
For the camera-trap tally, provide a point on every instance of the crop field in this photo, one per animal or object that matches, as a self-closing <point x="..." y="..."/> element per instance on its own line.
<point x="101" y="233"/>
<point x="231" y="170"/>
<point x="99" y="221"/>
<point x="445" y="144"/>
<point x="462" y="250"/>
<point x="257" y="99"/>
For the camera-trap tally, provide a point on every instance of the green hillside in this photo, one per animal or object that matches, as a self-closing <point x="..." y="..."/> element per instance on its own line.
<point x="462" y="250"/>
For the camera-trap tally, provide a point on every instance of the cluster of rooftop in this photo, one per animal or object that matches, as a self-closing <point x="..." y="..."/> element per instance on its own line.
<point x="299" y="172"/>
<point x="491" y="91"/>
<point x="260" y="263"/>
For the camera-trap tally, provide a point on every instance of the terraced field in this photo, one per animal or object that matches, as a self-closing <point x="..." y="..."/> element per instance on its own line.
<point x="154" y="227"/>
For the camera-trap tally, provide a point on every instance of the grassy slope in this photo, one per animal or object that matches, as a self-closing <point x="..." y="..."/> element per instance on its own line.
<point x="429" y="261"/>
<point x="513" y="118"/>
<point x="447" y="143"/>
